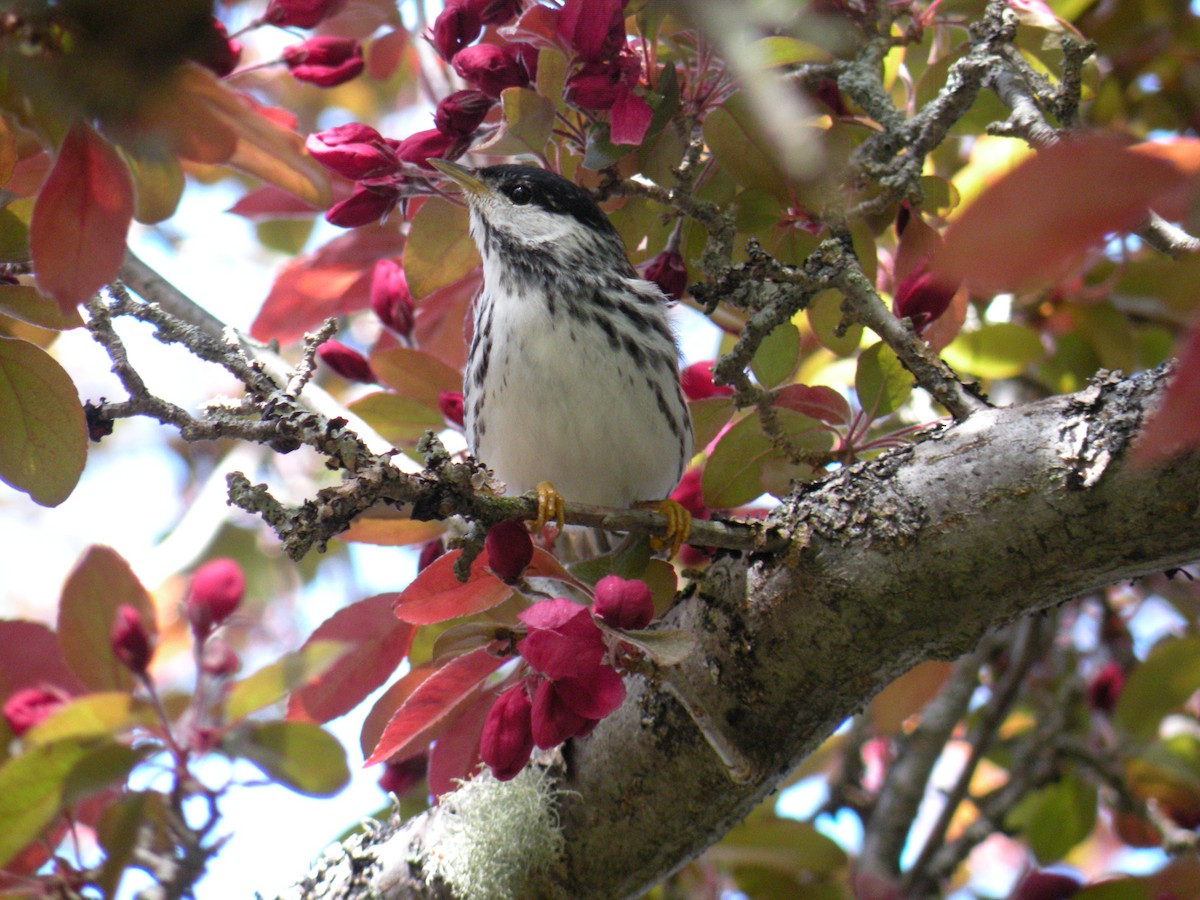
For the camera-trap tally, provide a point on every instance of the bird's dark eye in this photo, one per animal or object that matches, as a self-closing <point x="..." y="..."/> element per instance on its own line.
<point x="520" y="194"/>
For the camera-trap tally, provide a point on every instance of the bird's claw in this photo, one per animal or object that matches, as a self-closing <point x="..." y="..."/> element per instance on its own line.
<point x="679" y="525"/>
<point x="550" y="507"/>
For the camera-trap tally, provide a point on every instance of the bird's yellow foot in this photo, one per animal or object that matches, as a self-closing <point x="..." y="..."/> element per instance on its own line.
<point x="550" y="507"/>
<point x="679" y="524"/>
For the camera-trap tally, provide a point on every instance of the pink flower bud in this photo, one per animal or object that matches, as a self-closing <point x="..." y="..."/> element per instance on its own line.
<point x="697" y="382"/>
<point x="300" y="13"/>
<point x="451" y="405"/>
<point x="423" y="146"/>
<point x="129" y="639"/>
<point x="366" y="205"/>
<point x="509" y="549"/>
<point x="348" y="363"/>
<point x="29" y="706"/>
<point x="623" y="604"/>
<point x="324" y="60"/>
<point x="669" y="273"/>
<point x="456" y="26"/>
<point x="491" y="68"/>
<point x="1105" y="688"/>
<point x="495" y="12"/>
<point x="1041" y="885"/>
<point x="353" y="150"/>
<point x="390" y="299"/>
<point x="219" y="659"/>
<point x="399" y="777"/>
<point x="506" y="742"/>
<point x="461" y="112"/>
<point x="217" y="589"/>
<point x="562" y="640"/>
<point x="594" y="29"/>
<point x="922" y="297"/>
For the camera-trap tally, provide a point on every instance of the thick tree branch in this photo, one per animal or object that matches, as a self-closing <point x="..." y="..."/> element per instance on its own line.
<point x="912" y="556"/>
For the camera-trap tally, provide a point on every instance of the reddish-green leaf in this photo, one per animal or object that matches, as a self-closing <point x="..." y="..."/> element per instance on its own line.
<point x="1043" y="214"/>
<point x="1159" y="686"/>
<point x="400" y="420"/>
<point x="740" y="147"/>
<point x="442" y="695"/>
<point x="709" y="416"/>
<point x="528" y="122"/>
<point x="456" y="753"/>
<point x="273" y="682"/>
<point x="1055" y="818"/>
<point x="32" y="656"/>
<point x="777" y="356"/>
<point x="997" y="350"/>
<point x="299" y="755"/>
<point x="440" y="249"/>
<point x="733" y="474"/>
<point x="1174" y="426"/>
<point x="100" y="582"/>
<point x="77" y="236"/>
<point x="816" y="402"/>
<point x="436" y="594"/>
<point x="415" y="374"/>
<point x="103" y="714"/>
<point x="385" y="707"/>
<point x="45" y="433"/>
<point x="377" y="642"/>
<point x="25" y="302"/>
<point x="390" y="530"/>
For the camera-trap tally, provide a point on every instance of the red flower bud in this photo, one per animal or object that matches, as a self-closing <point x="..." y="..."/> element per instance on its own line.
<point x="495" y="12"/>
<point x="219" y="659"/>
<point x="129" y="639"/>
<point x="922" y="297"/>
<point x="390" y="299"/>
<point x="29" y="706"/>
<point x="1039" y="885"/>
<point x="552" y="720"/>
<point x="423" y="146"/>
<point x="300" y="13"/>
<point x="348" y="363"/>
<point x="353" y="151"/>
<point x="366" y="205"/>
<point x="430" y="551"/>
<point x="697" y="382"/>
<point x="594" y="29"/>
<point x="623" y="604"/>
<point x="669" y="273"/>
<point x="217" y="589"/>
<point x="398" y="777"/>
<point x="451" y="405"/>
<point x="217" y="51"/>
<point x="506" y="742"/>
<point x="324" y="60"/>
<point x="1105" y="688"/>
<point x="509" y="549"/>
<point x="456" y="26"/>
<point x="461" y="112"/>
<point x="491" y="68"/>
<point x="690" y="494"/>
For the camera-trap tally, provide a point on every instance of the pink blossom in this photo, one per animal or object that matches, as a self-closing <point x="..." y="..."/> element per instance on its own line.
<point x="623" y="604"/>
<point x="353" y="150"/>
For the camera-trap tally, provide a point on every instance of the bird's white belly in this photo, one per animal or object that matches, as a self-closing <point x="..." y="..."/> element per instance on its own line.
<point x="556" y="408"/>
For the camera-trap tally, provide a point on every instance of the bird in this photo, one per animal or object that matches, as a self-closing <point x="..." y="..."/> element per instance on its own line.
<point x="571" y="388"/>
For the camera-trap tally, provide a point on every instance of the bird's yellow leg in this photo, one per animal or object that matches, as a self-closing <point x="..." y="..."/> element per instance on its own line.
<point x="679" y="524"/>
<point x="550" y="507"/>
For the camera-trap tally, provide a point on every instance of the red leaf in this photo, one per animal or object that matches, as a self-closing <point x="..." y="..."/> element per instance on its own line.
<point x="437" y="595"/>
<point x="333" y="281"/>
<point x="630" y="119"/>
<point x="546" y="566"/>
<point x="272" y="202"/>
<point x="385" y="707"/>
<point x="1174" y="427"/>
<point x="80" y="218"/>
<point x="1038" y="218"/>
<point x="456" y="753"/>
<point x="816" y="402"/>
<point x="440" y="318"/>
<point x="378" y="644"/>
<point x="444" y="694"/>
<point x="100" y="582"/>
<point x="31" y="657"/>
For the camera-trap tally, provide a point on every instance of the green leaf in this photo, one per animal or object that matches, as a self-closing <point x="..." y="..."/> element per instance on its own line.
<point x="94" y="715"/>
<point x="100" y="582"/>
<point x="629" y="560"/>
<point x="1001" y="350"/>
<point x="415" y="374"/>
<point x="1118" y="889"/>
<point x="1055" y="818"/>
<point x="440" y="249"/>
<point x="733" y="474"/>
<point x="1159" y="686"/>
<point x="665" y="646"/>
<point x="601" y="152"/>
<point x="25" y="302"/>
<point x="528" y="123"/>
<point x="709" y="416"/>
<point x="881" y="382"/>
<point x="272" y="683"/>
<point x="38" y="784"/>
<point x="14" y="230"/>
<point x="41" y="418"/>
<point x="741" y="149"/>
<point x="299" y="755"/>
<point x="777" y="356"/>
<point x="118" y="832"/>
<point x="824" y="315"/>
<point x="774" y="52"/>
<point x="400" y="420"/>
<point x="783" y="845"/>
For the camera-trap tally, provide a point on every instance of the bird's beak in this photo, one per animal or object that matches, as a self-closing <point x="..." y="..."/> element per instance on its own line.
<point x="463" y="176"/>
